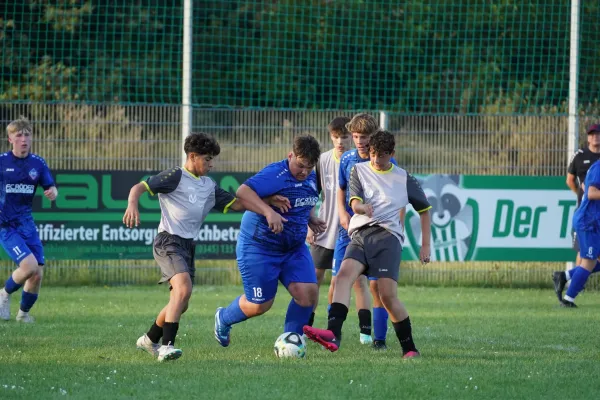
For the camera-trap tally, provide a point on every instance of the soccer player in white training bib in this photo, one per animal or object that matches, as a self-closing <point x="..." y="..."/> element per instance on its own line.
<point x="22" y="172"/>
<point x="322" y="246"/>
<point x="379" y="190"/>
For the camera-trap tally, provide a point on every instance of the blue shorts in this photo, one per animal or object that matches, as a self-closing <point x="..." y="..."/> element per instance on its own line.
<point x="262" y="269"/>
<point x="341" y="244"/>
<point x="589" y="244"/>
<point x="19" y="241"/>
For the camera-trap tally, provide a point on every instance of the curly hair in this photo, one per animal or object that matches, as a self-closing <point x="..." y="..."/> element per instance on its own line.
<point x="337" y="126"/>
<point x="201" y="143"/>
<point x="382" y="142"/>
<point x="364" y="124"/>
<point x="307" y="148"/>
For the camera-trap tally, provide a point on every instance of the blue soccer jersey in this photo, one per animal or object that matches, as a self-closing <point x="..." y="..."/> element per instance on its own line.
<point x="587" y="216"/>
<point x="303" y="196"/>
<point x="265" y="258"/>
<point x="20" y="179"/>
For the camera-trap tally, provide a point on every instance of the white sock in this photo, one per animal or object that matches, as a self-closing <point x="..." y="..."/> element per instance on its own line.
<point x="3" y="292"/>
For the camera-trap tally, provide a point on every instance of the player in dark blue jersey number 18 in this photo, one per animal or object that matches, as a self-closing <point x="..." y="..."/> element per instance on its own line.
<point x="21" y="172"/>
<point x="271" y="246"/>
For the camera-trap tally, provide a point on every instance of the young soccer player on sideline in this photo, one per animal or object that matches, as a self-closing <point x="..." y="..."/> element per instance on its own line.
<point x="378" y="191"/>
<point x="362" y="126"/>
<point x="586" y="222"/>
<point x="323" y="245"/>
<point x="186" y="196"/>
<point x="271" y="246"/>
<point x="22" y="171"/>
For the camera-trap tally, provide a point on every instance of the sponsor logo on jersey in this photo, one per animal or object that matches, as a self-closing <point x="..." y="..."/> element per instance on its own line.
<point x="19" y="188"/>
<point x="306" y="201"/>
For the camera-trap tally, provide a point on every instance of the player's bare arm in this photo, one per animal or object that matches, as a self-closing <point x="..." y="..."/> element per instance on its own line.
<point x="132" y="214"/>
<point x="344" y="216"/>
<point x="360" y="208"/>
<point x="593" y="193"/>
<point x="425" y="252"/>
<point x="51" y="193"/>
<point x="252" y="202"/>
<point x="282" y="203"/>
<point x="571" y="182"/>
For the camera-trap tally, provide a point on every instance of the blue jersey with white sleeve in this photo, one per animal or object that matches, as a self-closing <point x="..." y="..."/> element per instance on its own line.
<point x="20" y="179"/>
<point x="347" y="162"/>
<point x="277" y="179"/>
<point x="587" y="216"/>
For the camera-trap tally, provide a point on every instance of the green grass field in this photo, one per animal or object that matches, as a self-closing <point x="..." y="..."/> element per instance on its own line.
<point x="476" y="343"/>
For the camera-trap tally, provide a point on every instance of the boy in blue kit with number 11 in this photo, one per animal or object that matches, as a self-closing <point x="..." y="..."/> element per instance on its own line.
<point x="271" y="246"/>
<point x="21" y="172"/>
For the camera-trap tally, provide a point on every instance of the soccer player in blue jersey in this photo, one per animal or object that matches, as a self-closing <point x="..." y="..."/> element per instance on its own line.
<point x="22" y="172"/>
<point x="271" y="246"/>
<point x="362" y="127"/>
<point x="586" y="223"/>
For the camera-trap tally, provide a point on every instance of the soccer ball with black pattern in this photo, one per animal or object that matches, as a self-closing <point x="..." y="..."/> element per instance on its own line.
<point x="290" y="344"/>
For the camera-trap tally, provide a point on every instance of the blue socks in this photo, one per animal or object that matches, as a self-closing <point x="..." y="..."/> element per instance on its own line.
<point x="572" y="271"/>
<point x="11" y="286"/>
<point x="578" y="279"/>
<point x="380" y="317"/>
<point x="233" y="314"/>
<point x="296" y="317"/>
<point x="28" y="300"/>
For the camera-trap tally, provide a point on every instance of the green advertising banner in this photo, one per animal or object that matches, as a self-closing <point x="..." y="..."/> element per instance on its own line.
<point x="495" y="218"/>
<point x="474" y="218"/>
<point x="85" y="221"/>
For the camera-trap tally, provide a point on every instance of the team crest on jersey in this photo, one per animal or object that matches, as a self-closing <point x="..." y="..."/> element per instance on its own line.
<point x="368" y="190"/>
<point x="33" y="174"/>
<point x="313" y="185"/>
<point x="329" y="182"/>
<point x="193" y="197"/>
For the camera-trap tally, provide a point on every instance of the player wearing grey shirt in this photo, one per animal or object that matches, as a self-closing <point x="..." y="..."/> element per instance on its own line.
<point x="186" y="196"/>
<point x="379" y="190"/>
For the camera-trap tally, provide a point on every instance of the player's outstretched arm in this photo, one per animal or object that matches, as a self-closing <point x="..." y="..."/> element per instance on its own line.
<point x="51" y="193"/>
<point x="132" y="214"/>
<point x="252" y="202"/>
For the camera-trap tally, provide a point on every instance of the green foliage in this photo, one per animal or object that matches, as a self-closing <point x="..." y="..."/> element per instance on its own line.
<point x="413" y="56"/>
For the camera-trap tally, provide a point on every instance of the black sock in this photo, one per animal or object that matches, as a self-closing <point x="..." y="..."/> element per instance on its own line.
<point x="364" y="321"/>
<point x="404" y="334"/>
<point x="155" y="333"/>
<point x="169" y="333"/>
<point x="311" y="320"/>
<point x="337" y="316"/>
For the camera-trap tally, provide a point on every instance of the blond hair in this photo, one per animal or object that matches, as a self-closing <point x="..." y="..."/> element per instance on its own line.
<point x="364" y="124"/>
<point x="21" y="124"/>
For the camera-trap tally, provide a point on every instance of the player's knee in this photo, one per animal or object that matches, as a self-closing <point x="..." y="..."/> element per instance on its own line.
<point x="256" y="309"/>
<point x="29" y="266"/>
<point x="387" y="299"/>
<point x="374" y="288"/>
<point x="36" y="276"/>
<point x="305" y="294"/>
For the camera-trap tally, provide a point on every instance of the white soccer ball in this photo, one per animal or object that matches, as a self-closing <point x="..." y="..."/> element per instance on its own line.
<point x="290" y="344"/>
